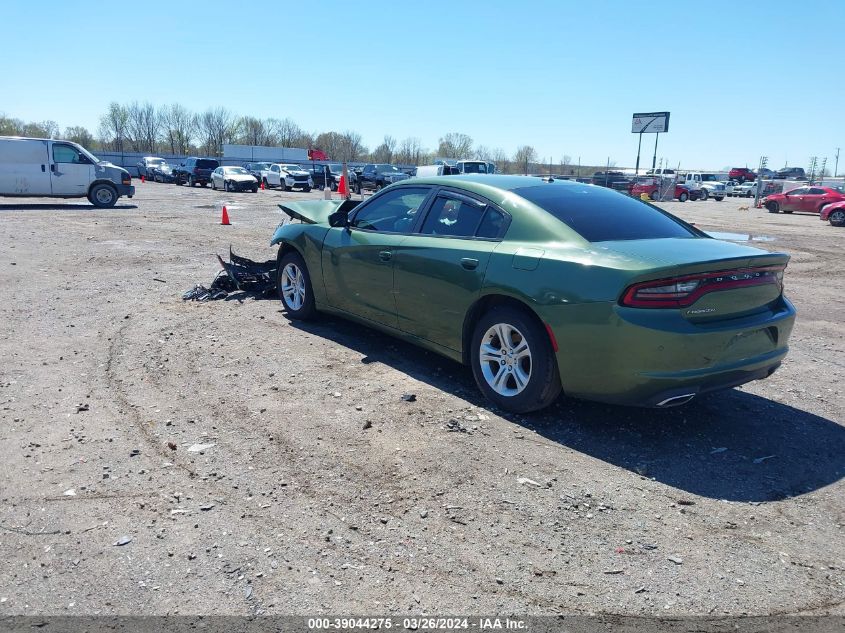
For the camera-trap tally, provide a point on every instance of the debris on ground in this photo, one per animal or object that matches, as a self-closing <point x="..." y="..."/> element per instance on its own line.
<point x="82" y="407"/>
<point x="526" y="480"/>
<point x="455" y="426"/>
<point x="409" y="397"/>
<point x="123" y="540"/>
<point x="239" y="274"/>
<point x="675" y="559"/>
<point x="198" y="448"/>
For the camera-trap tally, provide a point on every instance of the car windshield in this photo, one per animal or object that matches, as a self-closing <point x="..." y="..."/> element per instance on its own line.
<point x="291" y="167"/>
<point x="236" y="170"/>
<point x="205" y="163"/>
<point x="386" y="168"/>
<point x="157" y="161"/>
<point x="335" y="168"/>
<point x="709" y="178"/>
<point x="600" y="215"/>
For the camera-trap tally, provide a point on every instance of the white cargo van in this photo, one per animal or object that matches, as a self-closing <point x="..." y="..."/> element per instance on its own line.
<point x="40" y="167"/>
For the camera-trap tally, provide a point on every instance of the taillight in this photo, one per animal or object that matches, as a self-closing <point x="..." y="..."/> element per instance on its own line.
<point x="680" y="292"/>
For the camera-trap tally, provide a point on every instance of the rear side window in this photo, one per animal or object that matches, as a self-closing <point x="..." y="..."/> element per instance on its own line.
<point x="601" y="215"/>
<point x="204" y="163"/>
<point x="453" y="217"/>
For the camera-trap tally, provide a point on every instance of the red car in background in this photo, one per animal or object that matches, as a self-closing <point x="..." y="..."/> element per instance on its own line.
<point x="651" y="186"/>
<point x="741" y="174"/>
<point x="808" y="199"/>
<point x="834" y="213"/>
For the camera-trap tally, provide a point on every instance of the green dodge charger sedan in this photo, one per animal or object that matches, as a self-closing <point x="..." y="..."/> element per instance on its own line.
<point x="542" y="286"/>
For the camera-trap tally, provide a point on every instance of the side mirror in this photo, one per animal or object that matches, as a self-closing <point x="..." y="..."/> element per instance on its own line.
<point x="339" y="219"/>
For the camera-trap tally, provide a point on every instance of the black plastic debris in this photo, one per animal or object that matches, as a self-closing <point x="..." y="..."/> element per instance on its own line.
<point x="239" y="274"/>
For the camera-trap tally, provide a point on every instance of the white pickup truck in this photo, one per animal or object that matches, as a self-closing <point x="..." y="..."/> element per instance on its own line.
<point x="706" y="185"/>
<point x="287" y="177"/>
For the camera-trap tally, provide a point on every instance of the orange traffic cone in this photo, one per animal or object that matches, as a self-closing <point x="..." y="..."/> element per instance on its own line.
<point x="342" y="188"/>
<point x="225" y="220"/>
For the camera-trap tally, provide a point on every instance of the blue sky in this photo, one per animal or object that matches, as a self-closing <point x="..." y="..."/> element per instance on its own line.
<point x="564" y="77"/>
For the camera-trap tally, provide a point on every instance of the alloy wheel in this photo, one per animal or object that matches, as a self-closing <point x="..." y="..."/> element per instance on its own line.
<point x="505" y="359"/>
<point x="293" y="287"/>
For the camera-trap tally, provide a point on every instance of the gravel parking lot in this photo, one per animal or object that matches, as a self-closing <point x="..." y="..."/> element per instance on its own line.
<point x="164" y="457"/>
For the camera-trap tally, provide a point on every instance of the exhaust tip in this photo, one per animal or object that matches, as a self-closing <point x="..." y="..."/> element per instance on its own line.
<point x="676" y="401"/>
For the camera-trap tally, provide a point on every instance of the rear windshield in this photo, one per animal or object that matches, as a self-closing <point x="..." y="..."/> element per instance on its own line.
<point x="205" y="163"/>
<point x="600" y="215"/>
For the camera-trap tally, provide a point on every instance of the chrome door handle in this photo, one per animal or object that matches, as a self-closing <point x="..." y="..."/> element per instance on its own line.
<point x="469" y="263"/>
<point x="385" y="256"/>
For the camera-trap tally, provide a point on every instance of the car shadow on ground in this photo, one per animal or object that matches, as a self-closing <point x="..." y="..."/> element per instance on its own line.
<point x="61" y="207"/>
<point x="730" y="445"/>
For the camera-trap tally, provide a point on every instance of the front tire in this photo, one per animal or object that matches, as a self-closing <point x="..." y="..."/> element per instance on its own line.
<point x="513" y="362"/>
<point x="103" y="196"/>
<point x="228" y="186"/>
<point x="720" y="198"/>
<point x="294" y="285"/>
<point x="773" y="207"/>
<point x="683" y="197"/>
<point x="653" y="195"/>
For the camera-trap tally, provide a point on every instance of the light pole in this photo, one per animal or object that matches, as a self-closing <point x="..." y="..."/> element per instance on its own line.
<point x="836" y="167"/>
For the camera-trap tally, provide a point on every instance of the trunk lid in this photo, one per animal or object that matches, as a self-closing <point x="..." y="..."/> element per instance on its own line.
<point x="748" y="286"/>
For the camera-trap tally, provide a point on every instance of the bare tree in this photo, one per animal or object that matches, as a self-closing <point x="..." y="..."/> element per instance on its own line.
<point x="352" y="148"/>
<point x="525" y="155"/>
<point x="216" y="127"/>
<point x="144" y="126"/>
<point x="179" y="127"/>
<point x="81" y="135"/>
<point x="503" y="163"/>
<point x="455" y="145"/>
<point x="410" y="151"/>
<point x="287" y="133"/>
<point x="114" y="126"/>
<point x="10" y="126"/>
<point x="482" y="152"/>
<point x="41" y="129"/>
<point x="255" y="131"/>
<point x="384" y="153"/>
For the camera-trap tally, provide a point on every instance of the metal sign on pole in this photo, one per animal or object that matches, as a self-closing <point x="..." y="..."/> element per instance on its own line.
<point x="648" y="123"/>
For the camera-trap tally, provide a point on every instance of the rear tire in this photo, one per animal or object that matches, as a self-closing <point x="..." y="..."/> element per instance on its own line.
<point x="683" y="197"/>
<point x="703" y="195"/>
<point x="719" y="199"/>
<point x="519" y="374"/>
<point x="294" y="286"/>
<point x="653" y="195"/>
<point x="837" y="217"/>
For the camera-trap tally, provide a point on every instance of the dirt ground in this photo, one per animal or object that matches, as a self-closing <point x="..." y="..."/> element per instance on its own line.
<point x="322" y="491"/>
